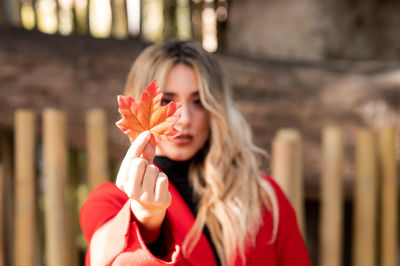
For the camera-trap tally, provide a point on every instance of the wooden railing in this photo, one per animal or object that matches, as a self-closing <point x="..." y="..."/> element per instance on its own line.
<point x="60" y="205"/>
<point x="375" y="196"/>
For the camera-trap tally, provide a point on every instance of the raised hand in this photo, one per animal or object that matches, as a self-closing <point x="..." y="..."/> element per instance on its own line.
<point x="146" y="187"/>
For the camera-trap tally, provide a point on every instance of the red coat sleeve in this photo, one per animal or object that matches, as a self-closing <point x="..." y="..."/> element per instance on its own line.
<point x="106" y="218"/>
<point x="289" y="247"/>
<point x="100" y="206"/>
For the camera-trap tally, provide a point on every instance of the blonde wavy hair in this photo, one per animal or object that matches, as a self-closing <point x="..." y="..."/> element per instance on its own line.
<point x="233" y="194"/>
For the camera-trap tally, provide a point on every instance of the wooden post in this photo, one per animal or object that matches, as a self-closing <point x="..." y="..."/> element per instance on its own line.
<point x="365" y="200"/>
<point x="7" y="162"/>
<point x="65" y="17"/>
<point x="331" y="197"/>
<point x="389" y="217"/>
<point x="152" y="20"/>
<point x="81" y="17"/>
<point x="96" y="139"/>
<point x="281" y="165"/>
<point x="55" y="175"/>
<point x="25" y="198"/>
<point x="119" y="20"/>
<point x="169" y="10"/>
<point x="287" y="169"/>
<point x="183" y="20"/>
<point x="197" y="24"/>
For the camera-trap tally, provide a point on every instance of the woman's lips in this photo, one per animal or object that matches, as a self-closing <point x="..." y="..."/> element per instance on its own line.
<point x="183" y="139"/>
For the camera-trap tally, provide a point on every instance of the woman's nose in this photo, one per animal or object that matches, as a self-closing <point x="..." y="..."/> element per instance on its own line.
<point x="185" y="119"/>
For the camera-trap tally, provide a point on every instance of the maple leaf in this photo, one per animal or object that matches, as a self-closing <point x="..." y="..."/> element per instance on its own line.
<point x="148" y="114"/>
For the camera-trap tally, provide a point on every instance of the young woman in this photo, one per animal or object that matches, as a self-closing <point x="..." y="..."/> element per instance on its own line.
<point x="198" y="199"/>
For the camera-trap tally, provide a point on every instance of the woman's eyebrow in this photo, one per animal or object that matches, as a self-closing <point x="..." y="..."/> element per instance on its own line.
<point x="172" y="94"/>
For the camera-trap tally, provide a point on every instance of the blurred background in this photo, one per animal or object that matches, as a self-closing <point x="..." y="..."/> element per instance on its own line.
<point x="319" y="82"/>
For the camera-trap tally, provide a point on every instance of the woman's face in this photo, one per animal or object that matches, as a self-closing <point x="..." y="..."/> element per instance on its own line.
<point x="181" y="86"/>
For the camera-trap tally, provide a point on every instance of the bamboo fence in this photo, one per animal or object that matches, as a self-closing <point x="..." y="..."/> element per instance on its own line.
<point x="25" y="189"/>
<point x="331" y="197"/>
<point x="375" y="215"/>
<point x="375" y="197"/>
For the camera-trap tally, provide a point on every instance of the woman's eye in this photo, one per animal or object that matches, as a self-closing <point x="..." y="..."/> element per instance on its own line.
<point x="165" y="101"/>
<point x="198" y="102"/>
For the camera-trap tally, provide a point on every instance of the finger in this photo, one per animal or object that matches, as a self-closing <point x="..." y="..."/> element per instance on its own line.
<point x="149" y="152"/>
<point x="162" y="195"/>
<point x="149" y="180"/>
<point x="122" y="174"/>
<point x="128" y="188"/>
<point x="135" y="177"/>
<point x="137" y="145"/>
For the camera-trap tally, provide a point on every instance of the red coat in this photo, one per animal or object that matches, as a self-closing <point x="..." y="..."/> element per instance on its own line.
<point x="108" y="204"/>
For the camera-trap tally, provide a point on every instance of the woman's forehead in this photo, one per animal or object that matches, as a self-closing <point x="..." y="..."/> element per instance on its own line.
<point x="181" y="79"/>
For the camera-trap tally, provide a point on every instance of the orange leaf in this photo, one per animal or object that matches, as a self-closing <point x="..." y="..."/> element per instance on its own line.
<point x="148" y="114"/>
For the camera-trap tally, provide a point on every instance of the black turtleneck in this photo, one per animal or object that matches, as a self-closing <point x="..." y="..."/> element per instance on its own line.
<point x="177" y="173"/>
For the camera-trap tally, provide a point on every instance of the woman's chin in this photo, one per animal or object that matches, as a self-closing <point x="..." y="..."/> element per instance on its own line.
<point x="180" y="157"/>
<point x="175" y="154"/>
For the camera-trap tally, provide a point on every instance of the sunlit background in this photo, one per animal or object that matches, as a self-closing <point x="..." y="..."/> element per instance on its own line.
<point x="150" y="20"/>
<point x="294" y="67"/>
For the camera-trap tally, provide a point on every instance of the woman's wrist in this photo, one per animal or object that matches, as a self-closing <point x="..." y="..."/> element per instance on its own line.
<point x="149" y="221"/>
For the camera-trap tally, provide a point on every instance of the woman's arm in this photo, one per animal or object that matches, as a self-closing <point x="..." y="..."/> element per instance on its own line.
<point x="146" y="187"/>
<point x="113" y="218"/>
<point x="113" y="234"/>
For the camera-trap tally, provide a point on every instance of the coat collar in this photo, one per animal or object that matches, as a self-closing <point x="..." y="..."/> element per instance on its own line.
<point x="183" y="220"/>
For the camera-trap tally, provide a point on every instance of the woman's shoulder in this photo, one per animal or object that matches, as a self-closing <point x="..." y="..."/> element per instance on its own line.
<point x="289" y="244"/>
<point x="277" y="189"/>
<point x="270" y="180"/>
<point x="287" y="213"/>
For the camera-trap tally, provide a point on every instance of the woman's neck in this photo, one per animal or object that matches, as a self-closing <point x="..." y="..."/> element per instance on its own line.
<point x="174" y="168"/>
